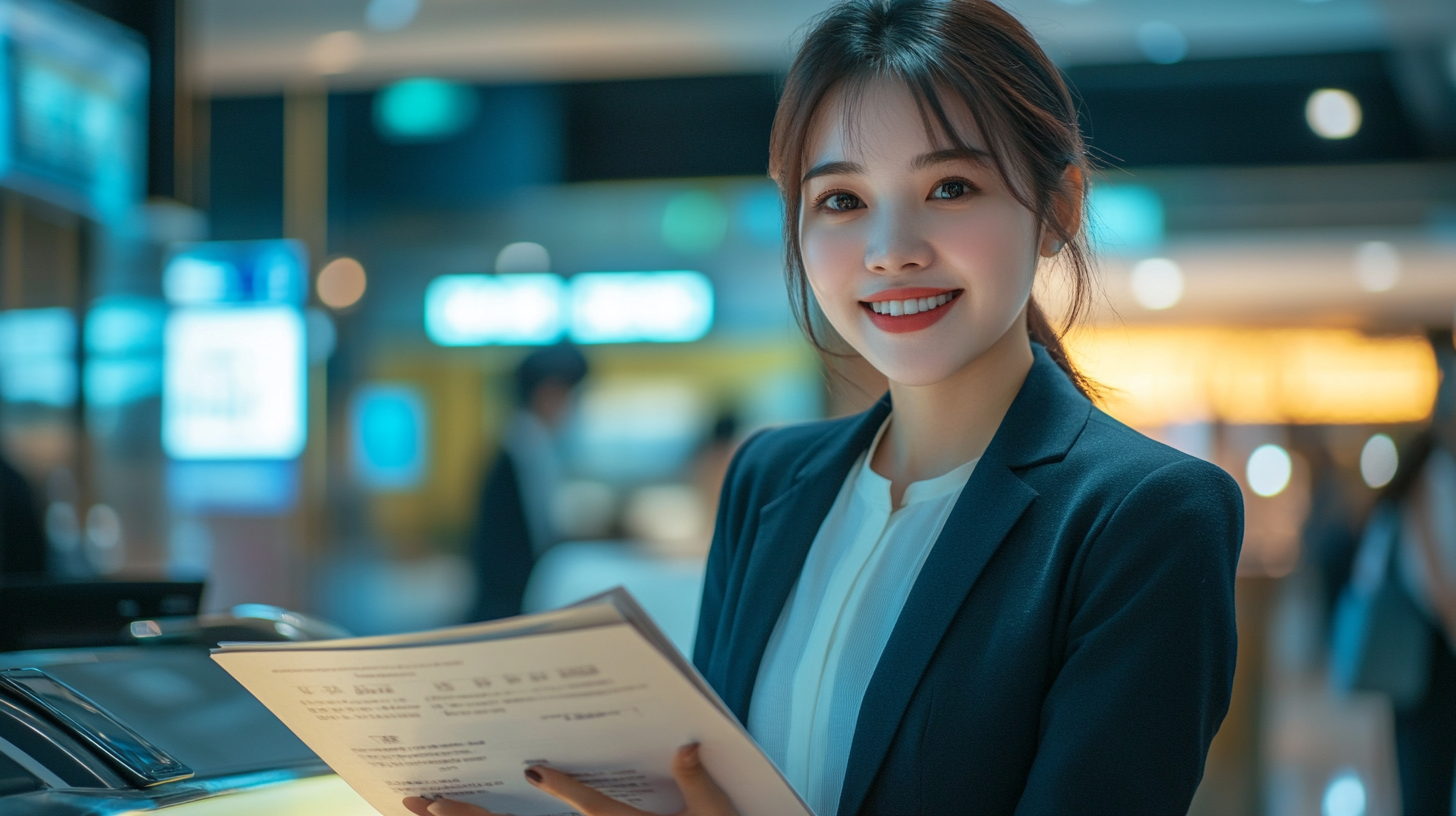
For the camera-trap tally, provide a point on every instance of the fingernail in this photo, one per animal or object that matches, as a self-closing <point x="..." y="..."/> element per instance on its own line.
<point x="533" y="775"/>
<point x="692" y="752"/>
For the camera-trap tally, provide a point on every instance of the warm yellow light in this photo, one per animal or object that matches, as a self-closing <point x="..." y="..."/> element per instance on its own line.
<point x="341" y="283"/>
<point x="1159" y="376"/>
<point x="315" y="796"/>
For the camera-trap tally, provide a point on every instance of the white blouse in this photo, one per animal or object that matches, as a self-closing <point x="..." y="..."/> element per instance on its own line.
<point x="834" y="625"/>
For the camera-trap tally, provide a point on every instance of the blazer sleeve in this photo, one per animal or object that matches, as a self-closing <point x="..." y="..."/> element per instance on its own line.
<point x="1148" y="666"/>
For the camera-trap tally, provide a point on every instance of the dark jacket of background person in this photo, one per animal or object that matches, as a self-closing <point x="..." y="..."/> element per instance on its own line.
<point x="1069" y="644"/>
<point x="22" y="538"/>
<point x="513" y="523"/>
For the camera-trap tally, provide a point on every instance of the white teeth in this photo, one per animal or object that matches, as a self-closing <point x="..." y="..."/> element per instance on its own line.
<point x="895" y="308"/>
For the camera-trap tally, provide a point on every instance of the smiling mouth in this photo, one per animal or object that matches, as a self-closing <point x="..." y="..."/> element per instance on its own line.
<point x="910" y="306"/>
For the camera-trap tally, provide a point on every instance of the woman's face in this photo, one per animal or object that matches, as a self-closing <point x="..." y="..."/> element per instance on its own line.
<point x="918" y="253"/>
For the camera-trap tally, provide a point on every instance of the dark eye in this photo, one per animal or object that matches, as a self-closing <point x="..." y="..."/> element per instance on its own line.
<point x="841" y="202"/>
<point x="950" y="189"/>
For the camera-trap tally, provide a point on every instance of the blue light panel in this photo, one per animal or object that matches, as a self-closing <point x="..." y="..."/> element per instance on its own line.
<point x="640" y="307"/>
<point x="218" y="272"/>
<point x="38" y="356"/>
<point x="479" y="310"/>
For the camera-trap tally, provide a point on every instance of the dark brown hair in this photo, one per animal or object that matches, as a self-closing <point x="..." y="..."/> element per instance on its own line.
<point x="973" y="50"/>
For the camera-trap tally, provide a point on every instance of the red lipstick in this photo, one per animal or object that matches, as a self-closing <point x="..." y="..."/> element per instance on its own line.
<point x="930" y="305"/>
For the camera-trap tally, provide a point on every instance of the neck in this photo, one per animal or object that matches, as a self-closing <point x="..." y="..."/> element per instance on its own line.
<point x="937" y="428"/>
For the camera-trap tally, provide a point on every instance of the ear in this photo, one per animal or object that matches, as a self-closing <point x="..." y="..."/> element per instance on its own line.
<point x="1068" y="210"/>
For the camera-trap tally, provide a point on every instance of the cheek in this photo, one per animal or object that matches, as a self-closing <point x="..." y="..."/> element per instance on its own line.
<point x="995" y="250"/>
<point x="831" y="259"/>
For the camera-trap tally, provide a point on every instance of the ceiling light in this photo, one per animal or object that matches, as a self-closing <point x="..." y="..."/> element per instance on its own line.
<point x="423" y="109"/>
<point x="1333" y="113"/>
<point x="1157" y="283"/>
<point x="1377" y="266"/>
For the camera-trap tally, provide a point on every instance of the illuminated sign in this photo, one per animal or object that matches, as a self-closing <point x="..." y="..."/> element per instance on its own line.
<point x="593" y="307"/>
<point x="1125" y="218"/>
<point x="640" y="307"/>
<point x="38" y="356"/>
<point x="216" y="272"/>
<point x="75" y="105"/>
<point x="233" y="383"/>
<point x="479" y="310"/>
<point x="388" y="437"/>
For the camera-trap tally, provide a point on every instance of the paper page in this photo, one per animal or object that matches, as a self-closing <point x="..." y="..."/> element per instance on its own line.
<point x="464" y="720"/>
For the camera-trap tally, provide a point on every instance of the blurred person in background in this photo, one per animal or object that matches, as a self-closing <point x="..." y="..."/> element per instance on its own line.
<point x="982" y="594"/>
<point x="514" y="521"/>
<point x="22" y="537"/>
<point x="1395" y="625"/>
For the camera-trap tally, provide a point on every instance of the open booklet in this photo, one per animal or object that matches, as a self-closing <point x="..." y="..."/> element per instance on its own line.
<point x="593" y="689"/>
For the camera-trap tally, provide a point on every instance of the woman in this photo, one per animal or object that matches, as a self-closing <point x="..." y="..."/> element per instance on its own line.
<point x="982" y="595"/>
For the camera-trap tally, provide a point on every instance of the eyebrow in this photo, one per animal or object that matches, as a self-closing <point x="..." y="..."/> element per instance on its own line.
<point x="924" y="160"/>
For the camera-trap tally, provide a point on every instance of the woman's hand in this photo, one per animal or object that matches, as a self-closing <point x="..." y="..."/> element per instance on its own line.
<point x="701" y="795"/>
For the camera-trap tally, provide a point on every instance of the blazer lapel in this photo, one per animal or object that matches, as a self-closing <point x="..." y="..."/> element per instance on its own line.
<point x="1044" y="420"/>
<point x="787" y="527"/>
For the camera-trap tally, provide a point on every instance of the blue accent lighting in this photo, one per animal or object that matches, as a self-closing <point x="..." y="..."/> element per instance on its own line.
<point x="1127" y="218"/>
<point x="389" y="437"/>
<point x="219" y="272"/>
<point x="424" y="110"/>
<point x="38" y="356"/>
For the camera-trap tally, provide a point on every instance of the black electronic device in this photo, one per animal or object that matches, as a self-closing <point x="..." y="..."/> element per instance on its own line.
<point x="86" y="614"/>
<point x="139" y="760"/>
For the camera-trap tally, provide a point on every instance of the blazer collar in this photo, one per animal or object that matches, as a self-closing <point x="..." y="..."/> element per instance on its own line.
<point x="1042" y="424"/>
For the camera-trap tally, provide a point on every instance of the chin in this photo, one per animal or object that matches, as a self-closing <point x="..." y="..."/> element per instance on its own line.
<point x="917" y="367"/>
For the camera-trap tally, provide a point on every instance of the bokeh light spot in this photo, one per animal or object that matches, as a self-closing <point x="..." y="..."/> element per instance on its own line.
<point x="694" y="222"/>
<point x="1344" y="796"/>
<point x="1157" y="283"/>
<point x="424" y="109"/>
<point x="1377" y="266"/>
<point x="1333" y="113"/>
<point x="1379" y="460"/>
<point x="341" y="283"/>
<point x="1268" y="470"/>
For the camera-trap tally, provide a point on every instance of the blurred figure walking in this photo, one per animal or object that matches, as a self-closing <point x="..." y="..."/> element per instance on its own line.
<point x="1395" y="624"/>
<point x="514" y="524"/>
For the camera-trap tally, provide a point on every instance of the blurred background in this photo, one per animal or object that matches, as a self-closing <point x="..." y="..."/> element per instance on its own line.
<point x="405" y="313"/>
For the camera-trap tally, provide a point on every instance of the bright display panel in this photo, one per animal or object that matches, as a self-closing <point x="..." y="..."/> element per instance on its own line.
<point x="640" y="307"/>
<point x="75" y="108"/>
<point x="233" y="383"/>
<point x="479" y="310"/>
<point x="216" y="272"/>
<point x="591" y="307"/>
<point x="38" y="356"/>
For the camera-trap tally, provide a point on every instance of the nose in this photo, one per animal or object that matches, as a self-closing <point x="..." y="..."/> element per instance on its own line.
<point x="895" y="245"/>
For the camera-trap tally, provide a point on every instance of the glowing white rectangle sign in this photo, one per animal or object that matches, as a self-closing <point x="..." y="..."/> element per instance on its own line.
<point x="233" y="383"/>
<point x="478" y="310"/>
<point x="640" y="307"/>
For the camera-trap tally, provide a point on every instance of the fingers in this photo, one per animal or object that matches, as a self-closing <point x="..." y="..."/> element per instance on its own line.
<point x="585" y="799"/>
<point x="701" y="795"/>
<point x="421" y="806"/>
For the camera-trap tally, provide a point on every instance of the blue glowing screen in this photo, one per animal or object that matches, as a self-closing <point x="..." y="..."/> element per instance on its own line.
<point x="218" y="272"/>
<point x="388" y="437"/>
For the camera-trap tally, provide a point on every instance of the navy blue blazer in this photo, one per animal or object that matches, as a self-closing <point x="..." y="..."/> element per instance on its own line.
<point x="1068" y="647"/>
